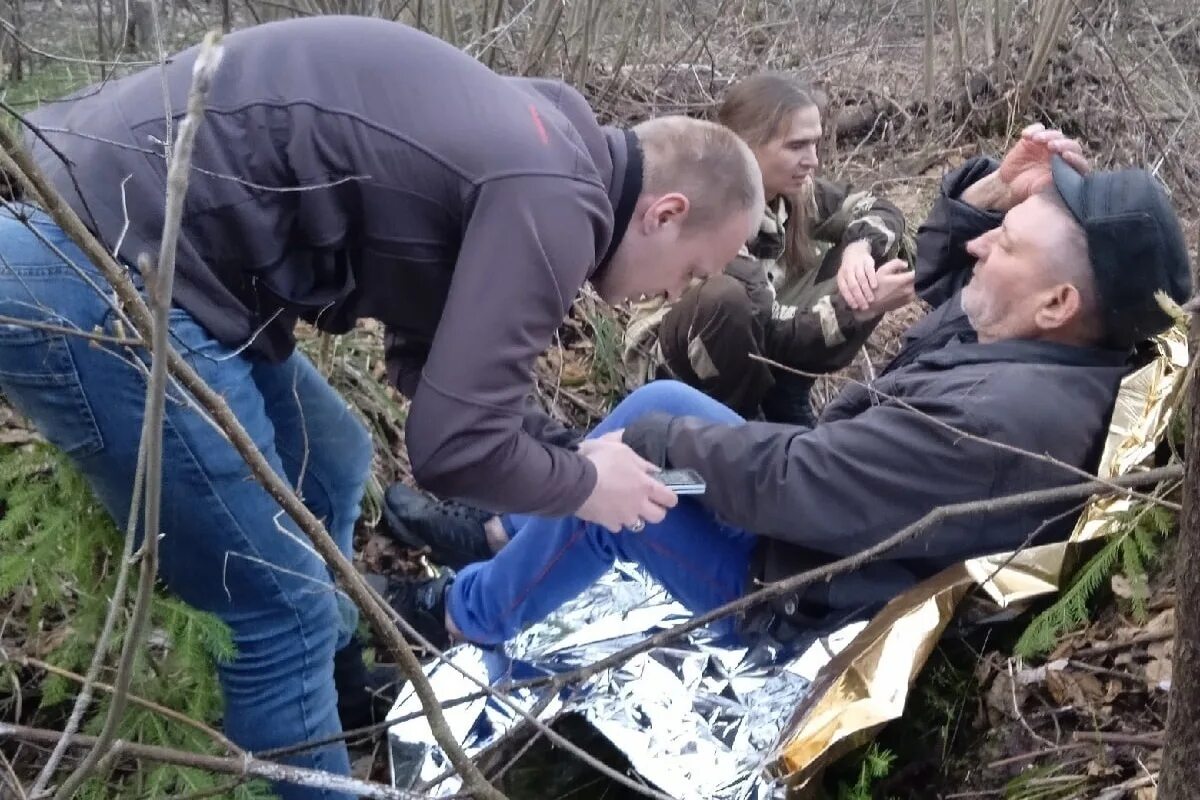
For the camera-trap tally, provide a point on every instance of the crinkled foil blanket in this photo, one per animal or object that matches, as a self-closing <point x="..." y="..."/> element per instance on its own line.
<point x="695" y="719"/>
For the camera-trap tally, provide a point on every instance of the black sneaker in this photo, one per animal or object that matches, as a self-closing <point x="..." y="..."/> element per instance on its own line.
<point x="422" y="604"/>
<point x="452" y="532"/>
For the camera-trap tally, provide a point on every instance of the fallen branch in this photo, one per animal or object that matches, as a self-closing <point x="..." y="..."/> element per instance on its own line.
<point x="241" y="766"/>
<point x="1123" y="789"/>
<point x="1153" y="739"/>
<point x="1109" y="647"/>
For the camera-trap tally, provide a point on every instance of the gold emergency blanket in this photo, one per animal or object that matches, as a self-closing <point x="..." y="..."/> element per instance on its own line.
<point x="866" y="684"/>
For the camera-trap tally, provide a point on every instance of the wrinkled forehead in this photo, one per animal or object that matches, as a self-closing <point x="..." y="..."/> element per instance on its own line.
<point x="1036" y="223"/>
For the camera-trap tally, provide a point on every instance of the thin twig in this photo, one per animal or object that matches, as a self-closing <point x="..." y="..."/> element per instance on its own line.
<point x="1047" y="751"/>
<point x="115" y="607"/>
<point x="1012" y="685"/>
<point x="182" y="719"/>
<point x="242" y="765"/>
<point x="1122" y="789"/>
<point x="1152" y="739"/>
<point x="13" y="780"/>
<point x="1108" y="647"/>
<point x="52" y="328"/>
<point x="12" y="32"/>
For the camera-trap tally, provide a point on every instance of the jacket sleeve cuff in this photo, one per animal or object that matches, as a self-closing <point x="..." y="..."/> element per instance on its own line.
<point x="649" y="437"/>
<point x="968" y="219"/>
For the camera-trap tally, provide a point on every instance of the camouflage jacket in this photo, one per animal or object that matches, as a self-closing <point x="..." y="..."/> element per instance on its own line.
<point x="806" y="322"/>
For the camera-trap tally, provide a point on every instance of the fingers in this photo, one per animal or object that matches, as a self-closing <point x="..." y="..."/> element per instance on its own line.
<point x="866" y="273"/>
<point x="1077" y="162"/>
<point x="661" y="495"/>
<point x="1063" y="145"/>
<point x="652" y="513"/>
<point x="1032" y="130"/>
<point x="856" y="280"/>
<point x="1045" y="136"/>
<point x="894" y="267"/>
<point x="653" y="509"/>
<point x="843" y="286"/>
<point x="1057" y="142"/>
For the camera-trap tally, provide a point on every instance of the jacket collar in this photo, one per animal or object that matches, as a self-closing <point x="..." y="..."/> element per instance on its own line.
<point x="957" y="353"/>
<point x="624" y="188"/>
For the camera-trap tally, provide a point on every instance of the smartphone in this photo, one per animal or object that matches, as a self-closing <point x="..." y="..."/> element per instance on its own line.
<point x="682" y="481"/>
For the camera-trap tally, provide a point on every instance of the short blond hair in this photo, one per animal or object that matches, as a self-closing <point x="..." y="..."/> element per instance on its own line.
<point x="706" y="162"/>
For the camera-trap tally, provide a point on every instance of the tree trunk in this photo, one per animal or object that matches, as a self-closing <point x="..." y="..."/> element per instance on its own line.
<point x="1182" y="751"/>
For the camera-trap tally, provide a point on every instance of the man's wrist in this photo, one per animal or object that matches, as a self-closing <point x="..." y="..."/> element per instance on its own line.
<point x="989" y="193"/>
<point x="648" y="436"/>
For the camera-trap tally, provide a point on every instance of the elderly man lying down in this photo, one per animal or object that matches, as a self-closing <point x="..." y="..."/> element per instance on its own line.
<point x="1043" y="276"/>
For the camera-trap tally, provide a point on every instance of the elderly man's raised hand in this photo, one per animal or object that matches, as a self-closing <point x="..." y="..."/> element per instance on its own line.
<point x="1025" y="170"/>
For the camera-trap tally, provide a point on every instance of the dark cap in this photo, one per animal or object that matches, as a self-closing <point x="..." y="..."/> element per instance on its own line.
<point x="1135" y="246"/>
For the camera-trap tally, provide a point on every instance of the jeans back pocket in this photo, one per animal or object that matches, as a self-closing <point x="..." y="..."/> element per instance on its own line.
<point x="38" y="376"/>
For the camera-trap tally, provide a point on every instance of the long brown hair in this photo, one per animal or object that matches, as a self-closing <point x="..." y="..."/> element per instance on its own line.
<point x="758" y="109"/>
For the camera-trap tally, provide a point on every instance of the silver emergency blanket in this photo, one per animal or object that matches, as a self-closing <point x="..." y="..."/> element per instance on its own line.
<point x="694" y="718"/>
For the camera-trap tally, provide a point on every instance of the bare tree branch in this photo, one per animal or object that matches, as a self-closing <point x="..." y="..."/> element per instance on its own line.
<point x="246" y="765"/>
<point x="50" y="327"/>
<point x="11" y="30"/>
<point x="116" y="605"/>
<point x="12" y="778"/>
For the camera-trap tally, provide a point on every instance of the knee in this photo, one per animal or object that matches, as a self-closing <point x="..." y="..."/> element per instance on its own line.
<point x="668" y="397"/>
<point x="722" y="299"/>
<point x="283" y="671"/>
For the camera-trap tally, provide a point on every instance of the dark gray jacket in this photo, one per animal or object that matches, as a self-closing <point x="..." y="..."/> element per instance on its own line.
<point x="873" y="465"/>
<point x="351" y="167"/>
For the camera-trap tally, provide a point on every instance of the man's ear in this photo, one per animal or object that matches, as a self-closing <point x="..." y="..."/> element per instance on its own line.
<point x="1061" y="306"/>
<point x="665" y="209"/>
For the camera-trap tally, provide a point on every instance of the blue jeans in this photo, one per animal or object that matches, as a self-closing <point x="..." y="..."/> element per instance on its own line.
<point x="226" y="546"/>
<point x="701" y="562"/>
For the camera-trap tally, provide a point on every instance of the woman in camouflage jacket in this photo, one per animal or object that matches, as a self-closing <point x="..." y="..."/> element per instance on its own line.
<point x="806" y="292"/>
